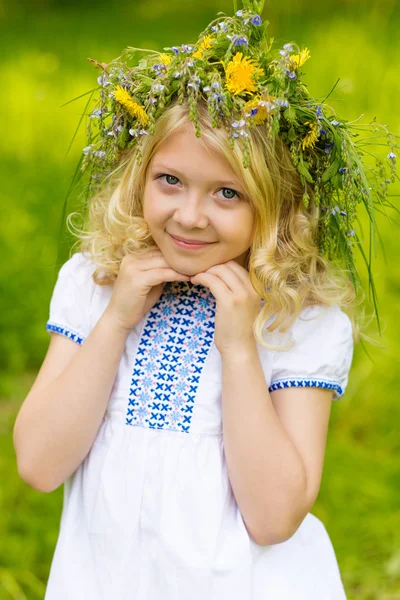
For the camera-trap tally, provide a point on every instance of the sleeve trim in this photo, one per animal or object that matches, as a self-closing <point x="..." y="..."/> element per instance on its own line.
<point x="72" y="334"/>
<point x="328" y="384"/>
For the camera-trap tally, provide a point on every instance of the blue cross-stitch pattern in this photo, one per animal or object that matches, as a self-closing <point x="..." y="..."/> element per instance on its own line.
<point x="67" y="332"/>
<point x="173" y="347"/>
<point x="280" y="384"/>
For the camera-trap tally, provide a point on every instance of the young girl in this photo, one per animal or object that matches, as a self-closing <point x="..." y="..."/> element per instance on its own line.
<point x="210" y="285"/>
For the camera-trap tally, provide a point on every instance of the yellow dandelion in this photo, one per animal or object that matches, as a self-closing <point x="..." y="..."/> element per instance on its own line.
<point x="135" y="109"/>
<point x="298" y="60"/>
<point x="263" y="109"/>
<point x="311" y="138"/>
<point x="240" y="74"/>
<point x="205" y="44"/>
<point x="165" y="59"/>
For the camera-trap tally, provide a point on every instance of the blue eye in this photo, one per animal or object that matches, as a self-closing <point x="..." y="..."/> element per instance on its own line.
<point x="225" y="198"/>
<point x="173" y="177"/>
<point x="230" y="190"/>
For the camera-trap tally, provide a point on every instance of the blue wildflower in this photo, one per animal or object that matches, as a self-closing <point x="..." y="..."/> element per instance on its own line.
<point x="215" y="84"/>
<point x="352" y="233"/>
<point x="239" y="13"/>
<point x="100" y="153"/>
<point x="323" y="131"/>
<point x="256" y="20"/>
<point x="215" y="29"/>
<point x="98" y="112"/>
<point x="391" y="155"/>
<point x="335" y="123"/>
<point x="216" y="97"/>
<point x="319" y="111"/>
<point x="175" y="49"/>
<point x="328" y="147"/>
<point x="343" y="213"/>
<point x="241" y="41"/>
<point x="87" y="150"/>
<point x="291" y="74"/>
<point x="342" y="170"/>
<point x="280" y="102"/>
<point x="254" y="111"/>
<point x="103" y="80"/>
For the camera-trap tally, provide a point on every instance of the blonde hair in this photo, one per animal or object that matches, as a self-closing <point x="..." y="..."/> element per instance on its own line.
<point x="284" y="264"/>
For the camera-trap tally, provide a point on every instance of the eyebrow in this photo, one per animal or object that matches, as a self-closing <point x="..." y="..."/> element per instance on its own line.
<point x="229" y="182"/>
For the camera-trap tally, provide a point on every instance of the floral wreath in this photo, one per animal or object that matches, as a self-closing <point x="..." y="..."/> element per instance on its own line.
<point x="246" y="84"/>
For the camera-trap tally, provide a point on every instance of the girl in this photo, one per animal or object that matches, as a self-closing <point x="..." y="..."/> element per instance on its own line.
<point x="199" y="335"/>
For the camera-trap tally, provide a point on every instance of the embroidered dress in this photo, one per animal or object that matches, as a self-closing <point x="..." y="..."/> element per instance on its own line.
<point x="149" y="514"/>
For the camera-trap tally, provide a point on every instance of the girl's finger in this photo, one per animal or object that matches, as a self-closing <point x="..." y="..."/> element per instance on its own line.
<point x="241" y="273"/>
<point x="229" y="277"/>
<point x="216" y="284"/>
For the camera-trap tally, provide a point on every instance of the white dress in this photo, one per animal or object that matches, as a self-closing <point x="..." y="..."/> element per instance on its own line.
<point x="150" y="514"/>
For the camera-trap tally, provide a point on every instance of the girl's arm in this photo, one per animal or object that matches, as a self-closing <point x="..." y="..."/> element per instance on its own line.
<point x="274" y="446"/>
<point x="59" y="419"/>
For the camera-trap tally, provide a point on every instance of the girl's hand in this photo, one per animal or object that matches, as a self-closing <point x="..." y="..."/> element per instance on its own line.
<point x="139" y="285"/>
<point x="237" y="305"/>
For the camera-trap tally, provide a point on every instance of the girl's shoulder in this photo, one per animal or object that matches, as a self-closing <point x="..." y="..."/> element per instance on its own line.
<point x="323" y="321"/>
<point x="316" y="350"/>
<point x="313" y="323"/>
<point x="72" y="301"/>
<point x="80" y="267"/>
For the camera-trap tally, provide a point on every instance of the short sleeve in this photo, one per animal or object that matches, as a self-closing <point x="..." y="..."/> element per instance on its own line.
<point x="71" y="299"/>
<point x="322" y="354"/>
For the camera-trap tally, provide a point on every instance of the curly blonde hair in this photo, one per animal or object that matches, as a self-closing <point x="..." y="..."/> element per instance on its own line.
<point x="284" y="263"/>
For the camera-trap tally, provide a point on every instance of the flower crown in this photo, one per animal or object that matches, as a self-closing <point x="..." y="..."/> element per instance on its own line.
<point x="246" y="84"/>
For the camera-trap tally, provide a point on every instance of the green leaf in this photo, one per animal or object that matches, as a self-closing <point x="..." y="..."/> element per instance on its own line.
<point x="304" y="171"/>
<point x="330" y="171"/>
<point x="290" y="115"/>
<point x="292" y="134"/>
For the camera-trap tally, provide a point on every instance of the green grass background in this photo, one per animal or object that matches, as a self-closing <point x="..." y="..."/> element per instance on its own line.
<point x="44" y="47"/>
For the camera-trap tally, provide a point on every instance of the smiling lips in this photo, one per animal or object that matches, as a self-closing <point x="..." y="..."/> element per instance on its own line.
<point x="191" y="245"/>
<point x="187" y="241"/>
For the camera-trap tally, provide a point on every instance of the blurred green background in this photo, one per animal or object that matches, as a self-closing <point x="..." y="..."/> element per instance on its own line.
<point x="44" y="50"/>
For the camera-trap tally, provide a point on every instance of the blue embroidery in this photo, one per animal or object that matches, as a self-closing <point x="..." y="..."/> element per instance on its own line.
<point x="69" y="333"/>
<point x="279" y="384"/>
<point x="175" y="342"/>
